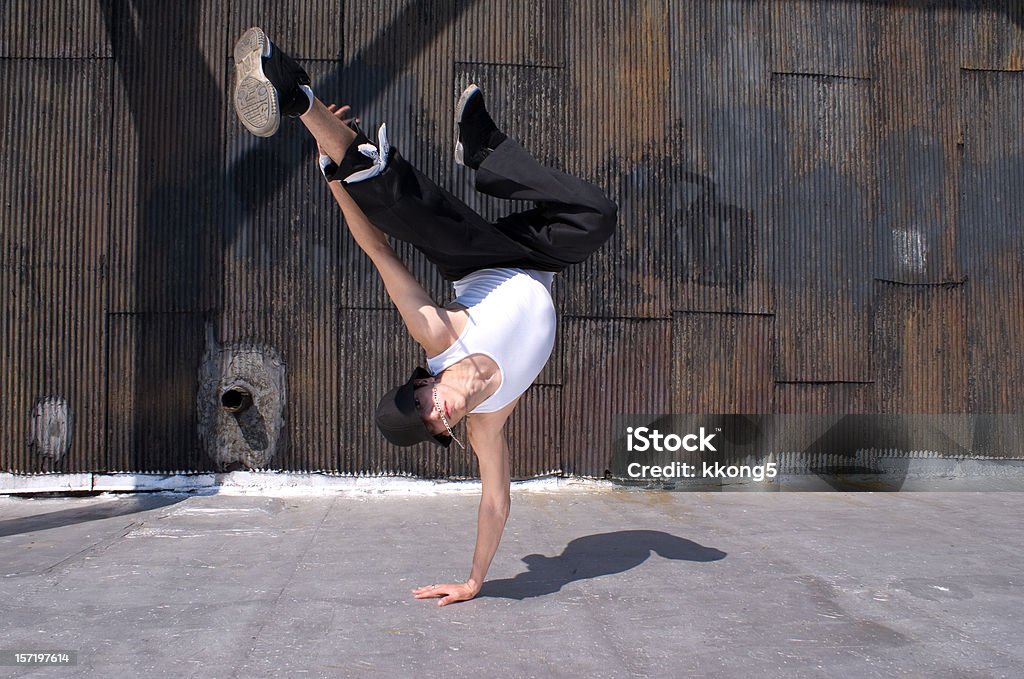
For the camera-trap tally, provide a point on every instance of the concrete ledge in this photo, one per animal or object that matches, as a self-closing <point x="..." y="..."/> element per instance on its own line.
<point x="45" y="483"/>
<point x="149" y="482"/>
<point x="266" y="483"/>
<point x="886" y="475"/>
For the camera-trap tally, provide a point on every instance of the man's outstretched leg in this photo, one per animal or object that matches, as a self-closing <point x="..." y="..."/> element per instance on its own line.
<point x="393" y="194"/>
<point x="269" y="85"/>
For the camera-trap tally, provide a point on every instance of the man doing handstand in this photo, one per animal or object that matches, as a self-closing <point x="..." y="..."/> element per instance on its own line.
<point x="486" y="347"/>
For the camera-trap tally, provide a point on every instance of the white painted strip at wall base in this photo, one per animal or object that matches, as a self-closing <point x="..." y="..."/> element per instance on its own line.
<point x="267" y="483"/>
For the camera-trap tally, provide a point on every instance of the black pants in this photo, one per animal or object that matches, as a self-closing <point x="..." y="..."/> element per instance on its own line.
<point x="572" y="218"/>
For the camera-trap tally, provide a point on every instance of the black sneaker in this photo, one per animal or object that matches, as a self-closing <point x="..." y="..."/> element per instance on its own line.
<point x="476" y="135"/>
<point x="267" y="84"/>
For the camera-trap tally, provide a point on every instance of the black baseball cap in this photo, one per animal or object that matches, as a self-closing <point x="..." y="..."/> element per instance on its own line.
<point x="398" y="419"/>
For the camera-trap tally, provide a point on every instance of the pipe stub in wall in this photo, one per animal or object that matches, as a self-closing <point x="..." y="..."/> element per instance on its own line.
<point x="236" y="399"/>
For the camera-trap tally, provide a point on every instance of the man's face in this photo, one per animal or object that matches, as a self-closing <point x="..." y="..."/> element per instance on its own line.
<point x="450" y="402"/>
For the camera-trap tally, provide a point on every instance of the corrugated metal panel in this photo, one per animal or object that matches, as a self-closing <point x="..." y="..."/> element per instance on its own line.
<point x="739" y="192"/>
<point x="399" y="69"/>
<point x="65" y="30"/>
<point x="992" y="255"/>
<point x="618" y="65"/>
<point x="719" y="211"/>
<point x="289" y="265"/>
<point x="532" y="433"/>
<point x="307" y="29"/>
<point x="168" y="137"/>
<point x="553" y="373"/>
<point x="152" y="386"/>
<point x="991" y="34"/>
<point x="920" y="349"/>
<point x="618" y="56"/>
<point x="54" y="226"/>
<point x="512" y="32"/>
<point x="918" y="156"/>
<point x="317" y="402"/>
<point x="823" y="38"/>
<point x="722" y="363"/>
<point x="840" y="399"/>
<point x="283" y="231"/>
<point x="620" y="367"/>
<point x="823" y="215"/>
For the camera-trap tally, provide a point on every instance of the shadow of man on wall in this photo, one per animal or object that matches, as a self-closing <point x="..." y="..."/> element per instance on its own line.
<point x="593" y="556"/>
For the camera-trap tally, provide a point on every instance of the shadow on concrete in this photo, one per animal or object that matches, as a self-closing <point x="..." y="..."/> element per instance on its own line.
<point x="593" y="556"/>
<point x="70" y="517"/>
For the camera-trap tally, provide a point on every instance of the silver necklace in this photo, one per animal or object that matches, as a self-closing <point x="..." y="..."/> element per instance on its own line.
<point x="440" y="411"/>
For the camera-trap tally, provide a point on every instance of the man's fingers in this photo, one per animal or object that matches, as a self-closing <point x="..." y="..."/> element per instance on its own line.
<point x="343" y="113"/>
<point x="430" y="591"/>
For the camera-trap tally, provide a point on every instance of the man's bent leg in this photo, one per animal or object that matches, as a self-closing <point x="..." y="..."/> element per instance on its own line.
<point x="573" y="218"/>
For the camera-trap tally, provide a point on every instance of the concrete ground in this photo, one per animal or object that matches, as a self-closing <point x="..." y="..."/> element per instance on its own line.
<point x="594" y="583"/>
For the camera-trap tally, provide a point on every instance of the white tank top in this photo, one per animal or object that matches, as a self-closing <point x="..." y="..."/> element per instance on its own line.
<point x="511" y="319"/>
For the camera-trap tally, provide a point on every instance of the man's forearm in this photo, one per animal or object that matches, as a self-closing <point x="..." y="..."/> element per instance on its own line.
<point x="491" y="520"/>
<point x="367" y="236"/>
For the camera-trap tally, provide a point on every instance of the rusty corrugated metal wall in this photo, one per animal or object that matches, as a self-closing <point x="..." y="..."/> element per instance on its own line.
<point x="821" y="211"/>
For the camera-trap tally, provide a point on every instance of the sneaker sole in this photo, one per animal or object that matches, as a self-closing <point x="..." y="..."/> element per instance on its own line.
<point x="460" y="109"/>
<point x="256" y="102"/>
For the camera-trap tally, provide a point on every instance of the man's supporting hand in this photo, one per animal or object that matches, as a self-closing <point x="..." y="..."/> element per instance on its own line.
<point x="449" y="593"/>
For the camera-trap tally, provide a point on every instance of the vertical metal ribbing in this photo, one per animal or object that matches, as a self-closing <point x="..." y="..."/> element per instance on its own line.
<point x="625" y="367"/>
<point x="838" y="399"/>
<point x="53" y="272"/>
<point x="398" y="69"/>
<point x="917" y="116"/>
<point x="617" y="131"/>
<point x="819" y="211"/>
<point x="991" y="248"/>
<point x="724" y="137"/>
<point x="824" y="38"/>
<point x="722" y="363"/>
<point x="53" y="30"/>
<point x="511" y="32"/>
<point x="533" y="433"/>
<point x="990" y="35"/>
<point x="822" y="214"/>
<point x="920" y="348"/>
<point x="166" y="196"/>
